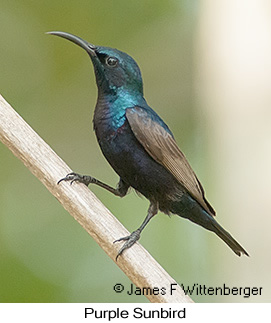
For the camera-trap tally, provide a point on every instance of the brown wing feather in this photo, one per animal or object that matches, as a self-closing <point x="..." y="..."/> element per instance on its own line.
<point x="162" y="147"/>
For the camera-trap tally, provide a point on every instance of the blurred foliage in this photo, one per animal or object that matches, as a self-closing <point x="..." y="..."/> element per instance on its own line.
<point x="45" y="255"/>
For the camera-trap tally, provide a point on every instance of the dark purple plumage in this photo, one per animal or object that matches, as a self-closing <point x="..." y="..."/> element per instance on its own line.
<point x="140" y="147"/>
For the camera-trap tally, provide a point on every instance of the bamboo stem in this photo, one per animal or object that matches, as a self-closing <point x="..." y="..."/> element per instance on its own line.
<point x="84" y="206"/>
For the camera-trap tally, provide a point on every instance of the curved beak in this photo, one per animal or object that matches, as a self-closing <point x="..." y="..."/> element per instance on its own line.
<point x="77" y="40"/>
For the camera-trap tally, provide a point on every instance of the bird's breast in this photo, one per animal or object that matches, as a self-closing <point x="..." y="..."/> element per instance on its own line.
<point x="132" y="163"/>
<point x="127" y="156"/>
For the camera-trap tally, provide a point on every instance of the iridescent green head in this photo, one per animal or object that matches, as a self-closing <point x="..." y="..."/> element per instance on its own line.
<point x="114" y="69"/>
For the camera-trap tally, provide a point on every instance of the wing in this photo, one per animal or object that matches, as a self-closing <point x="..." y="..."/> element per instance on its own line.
<point x="162" y="147"/>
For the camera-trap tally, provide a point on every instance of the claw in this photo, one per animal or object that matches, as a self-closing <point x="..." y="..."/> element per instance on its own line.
<point x="69" y="177"/>
<point x="74" y="177"/>
<point x="73" y="180"/>
<point x="130" y="241"/>
<point x="122" y="239"/>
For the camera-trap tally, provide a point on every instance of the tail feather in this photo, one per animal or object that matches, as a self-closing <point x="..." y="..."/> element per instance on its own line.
<point x="228" y="239"/>
<point x="188" y="208"/>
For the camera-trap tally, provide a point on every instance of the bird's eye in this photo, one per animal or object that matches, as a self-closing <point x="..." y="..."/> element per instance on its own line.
<point x="111" y="61"/>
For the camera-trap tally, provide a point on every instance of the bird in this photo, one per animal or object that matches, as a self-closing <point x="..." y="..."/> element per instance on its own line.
<point x="141" y="148"/>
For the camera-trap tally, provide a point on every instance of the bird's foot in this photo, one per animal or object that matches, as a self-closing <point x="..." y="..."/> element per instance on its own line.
<point x="74" y="177"/>
<point x="130" y="240"/>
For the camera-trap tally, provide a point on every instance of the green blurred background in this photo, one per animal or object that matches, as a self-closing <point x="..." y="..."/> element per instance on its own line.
<point x="46" y="256"/>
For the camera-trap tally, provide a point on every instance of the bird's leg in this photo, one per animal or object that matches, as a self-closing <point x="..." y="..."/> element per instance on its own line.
<point x="120" y="190"/>
<point x="134" y="236"/>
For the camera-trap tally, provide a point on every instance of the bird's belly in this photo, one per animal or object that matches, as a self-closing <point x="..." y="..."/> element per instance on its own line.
<point x="136" y="167"/>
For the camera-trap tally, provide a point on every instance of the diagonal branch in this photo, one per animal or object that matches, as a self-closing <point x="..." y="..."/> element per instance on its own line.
<point x="84" y="206"/>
